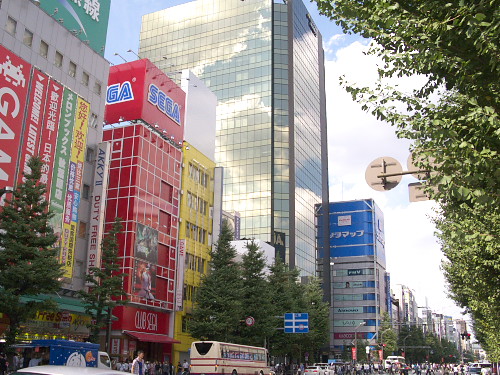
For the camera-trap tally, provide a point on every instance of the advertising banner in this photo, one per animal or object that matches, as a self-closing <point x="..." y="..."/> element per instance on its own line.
<point x="146" y="243"/>
<point x="144" y="279"/>
<point x="354" y="353"/>
<point x="180" y="276"/>
<point x="348" y="335"/>
<point x="98" y="205"/>
<point x="141" y="320"/>
<point x="14" y="84"/>
<point x="48" y="140"/>
<point x="87" y="20"/>
<point x="61" y="160"/>
<point x="139" y="90"/>
<point x="349" y="284"/>
<point x="34" y="120"/>
<point x="352" y="228"/>
<point x="347" y="323"/>
<point x="348" y="310"/>
<point x="70" y="215"/>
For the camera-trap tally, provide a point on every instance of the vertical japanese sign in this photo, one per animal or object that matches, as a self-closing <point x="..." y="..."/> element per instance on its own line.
<point x="61" y="160"/>
<point x="14" y="83"/>
<point x="48" y="140"/>
<point x="354" y="353"/>
<point x="180" y="275"/>
<point x="98" y="205"/>
<point x="70" y="215"/>
<point x="34" y="120"/>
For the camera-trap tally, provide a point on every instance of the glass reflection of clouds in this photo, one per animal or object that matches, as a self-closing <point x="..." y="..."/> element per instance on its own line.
<point x="268" y="141"/>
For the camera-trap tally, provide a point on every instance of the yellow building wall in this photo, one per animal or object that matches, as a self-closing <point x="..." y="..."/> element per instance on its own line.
<point x="193" y="215"/>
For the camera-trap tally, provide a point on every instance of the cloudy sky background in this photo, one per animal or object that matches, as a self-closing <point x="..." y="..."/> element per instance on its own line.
<point x="354" y="139"/>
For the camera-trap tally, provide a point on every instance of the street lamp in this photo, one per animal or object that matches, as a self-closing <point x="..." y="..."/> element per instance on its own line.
<point x="404" y="344"/>
<point x="356" y="336"/>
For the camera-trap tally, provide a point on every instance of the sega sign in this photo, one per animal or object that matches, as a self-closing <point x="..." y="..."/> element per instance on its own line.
<point x="139" y="90"/>
<point x="119" y="93"/>
<point x="164" y="103"/>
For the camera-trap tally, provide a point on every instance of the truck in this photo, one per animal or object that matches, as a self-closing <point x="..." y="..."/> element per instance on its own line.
<point x="65" y="353"/>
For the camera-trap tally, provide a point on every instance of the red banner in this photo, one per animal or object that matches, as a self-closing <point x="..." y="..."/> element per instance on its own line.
<point x="354" y="354"/>
<point x="14" y="83"/>
<point x="381" y="354"/>
<point x="49" y="133"/>
<point x="140" y="320"/>
<point x="34" y="119"/>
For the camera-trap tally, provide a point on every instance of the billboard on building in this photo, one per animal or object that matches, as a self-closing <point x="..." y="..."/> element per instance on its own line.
<point x="99" y="193"/>
<point x="70" y="215"/>
<point x="34" y="120"/>
<point x="14" y="84"/>
<point x="139" y="90"/>
<point x="356" y="229"/>
<point x="61" y="161"/>
<point x="146" y="243"/>
<point x="88" y="20"/>
<point x="48" y="140"/>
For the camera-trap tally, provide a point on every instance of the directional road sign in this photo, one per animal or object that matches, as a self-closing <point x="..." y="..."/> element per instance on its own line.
<point x="296" y="323"/>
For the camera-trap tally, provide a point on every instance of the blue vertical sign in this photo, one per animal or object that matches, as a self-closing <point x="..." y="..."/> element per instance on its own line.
<point x="296" y="323"/>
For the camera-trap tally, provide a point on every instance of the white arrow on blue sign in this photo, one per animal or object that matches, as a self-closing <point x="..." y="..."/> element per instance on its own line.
<point x="296" y="323"/>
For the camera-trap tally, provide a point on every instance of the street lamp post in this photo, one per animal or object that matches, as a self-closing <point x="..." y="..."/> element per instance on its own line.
<point x="356" y="336"/>
<point x="404" y="344"/>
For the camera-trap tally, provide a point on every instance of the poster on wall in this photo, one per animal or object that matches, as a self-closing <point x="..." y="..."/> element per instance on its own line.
<point x="146" y="243"/>
<point x="14" y="84"/>
<point x="144" y="279"/>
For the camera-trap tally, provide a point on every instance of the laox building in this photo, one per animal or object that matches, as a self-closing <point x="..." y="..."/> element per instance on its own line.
<point x="263" y="59"/>
<point x="145" y="113"/>
<point x="360" y="289"/>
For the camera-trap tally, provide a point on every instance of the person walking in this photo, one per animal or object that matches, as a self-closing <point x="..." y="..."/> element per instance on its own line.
<point x="138" y="365"/>
<point x="185" y="368"/>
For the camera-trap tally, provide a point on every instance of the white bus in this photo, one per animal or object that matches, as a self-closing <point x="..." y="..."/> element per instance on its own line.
<point x="213" y="357"/>
<point x="393" y="359"/>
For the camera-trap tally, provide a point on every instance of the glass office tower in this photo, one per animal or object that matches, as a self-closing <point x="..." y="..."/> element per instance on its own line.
<point x="264" y="62"/>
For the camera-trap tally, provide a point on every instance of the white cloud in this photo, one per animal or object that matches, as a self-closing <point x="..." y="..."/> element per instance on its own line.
<point x="355" y="139"/>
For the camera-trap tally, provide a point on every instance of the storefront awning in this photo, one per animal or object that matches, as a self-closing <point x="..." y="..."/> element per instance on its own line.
<point x="151" y="337"/>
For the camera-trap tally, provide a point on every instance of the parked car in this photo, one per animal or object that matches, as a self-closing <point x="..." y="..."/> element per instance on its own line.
<point x="65" y="370"/>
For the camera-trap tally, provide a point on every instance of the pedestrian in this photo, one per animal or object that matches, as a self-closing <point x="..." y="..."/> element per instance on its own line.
<point x="3" y="364"/>
<point x="179" y="368"/>
<point x="185" y="368"/>
<point x="138" y="365"/>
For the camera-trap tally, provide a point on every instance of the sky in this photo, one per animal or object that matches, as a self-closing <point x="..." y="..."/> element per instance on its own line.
<point x="355" y="139"/>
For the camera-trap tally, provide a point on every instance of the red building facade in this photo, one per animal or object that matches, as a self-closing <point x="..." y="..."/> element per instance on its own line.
<point x="145" y="110"/>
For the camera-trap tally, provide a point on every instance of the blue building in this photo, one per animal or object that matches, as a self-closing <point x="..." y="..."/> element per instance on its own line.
<point x="359" y="289"/>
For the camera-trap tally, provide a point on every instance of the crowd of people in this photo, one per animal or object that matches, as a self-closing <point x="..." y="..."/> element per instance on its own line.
<point x="141" y="367"/>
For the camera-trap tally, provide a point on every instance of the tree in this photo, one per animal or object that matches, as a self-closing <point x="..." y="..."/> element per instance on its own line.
<point x="286" y="294"/>
<point x="218" y="310"/>
<point x="319" y="318"/>
<point x="28" y="260"/>
<point x="105" y="284"/>
<point x="387" y="337"/>
<point x="454" y="122"/>
<point x="255" y="294"/>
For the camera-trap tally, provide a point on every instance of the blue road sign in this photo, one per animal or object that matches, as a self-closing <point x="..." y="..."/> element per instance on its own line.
<point x="296" y="323"/>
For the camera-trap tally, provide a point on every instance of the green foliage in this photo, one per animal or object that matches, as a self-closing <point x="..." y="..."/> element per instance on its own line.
<point x="233" y="291"/>
<point x="28" y="259"/>
<point x="218" y="311"/>
<point x="289" y="296"/>
<point x="388" y="335"/>
<point x="255" y="297"/>
<point x="453" y="120"/>
<point x="105" y="283"/>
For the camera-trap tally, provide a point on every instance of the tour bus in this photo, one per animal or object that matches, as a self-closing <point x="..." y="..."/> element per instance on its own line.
<point x="393" y="359"/>
<point x="213" y="357"/>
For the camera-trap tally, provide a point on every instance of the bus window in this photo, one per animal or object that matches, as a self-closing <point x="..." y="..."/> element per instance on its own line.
<point x="203" y="347"/>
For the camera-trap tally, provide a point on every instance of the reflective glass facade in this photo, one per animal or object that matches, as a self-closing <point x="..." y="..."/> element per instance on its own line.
<point x="264" y="61"/>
